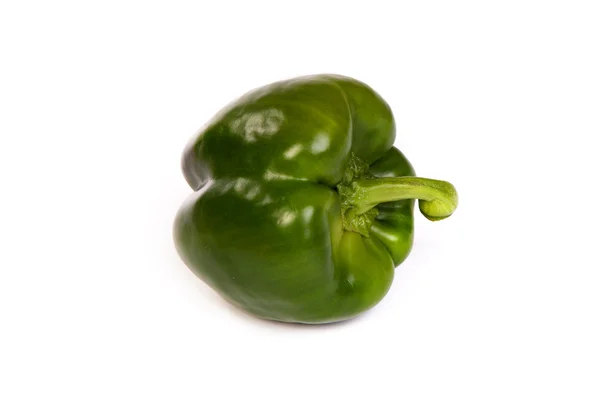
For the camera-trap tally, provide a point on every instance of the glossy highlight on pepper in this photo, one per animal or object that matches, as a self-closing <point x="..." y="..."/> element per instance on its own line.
<point x="302" y="207"/>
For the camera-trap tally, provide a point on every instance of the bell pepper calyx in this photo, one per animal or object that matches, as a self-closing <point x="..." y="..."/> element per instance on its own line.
<point x="360" y="193"/>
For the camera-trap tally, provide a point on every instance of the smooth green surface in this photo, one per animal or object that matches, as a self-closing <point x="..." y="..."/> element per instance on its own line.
<point x="296" y="214"/>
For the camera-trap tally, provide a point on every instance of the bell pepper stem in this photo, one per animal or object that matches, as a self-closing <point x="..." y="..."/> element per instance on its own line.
<point x="437" y="199"/>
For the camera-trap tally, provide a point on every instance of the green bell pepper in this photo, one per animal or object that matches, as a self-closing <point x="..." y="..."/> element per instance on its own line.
<point x="302" y="207"/>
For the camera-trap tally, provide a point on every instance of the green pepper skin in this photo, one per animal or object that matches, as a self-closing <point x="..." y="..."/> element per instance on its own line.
<point x="264" y="225"/>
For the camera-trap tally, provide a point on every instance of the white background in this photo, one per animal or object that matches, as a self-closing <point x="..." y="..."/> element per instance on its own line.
<point x="97" y="100"/>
